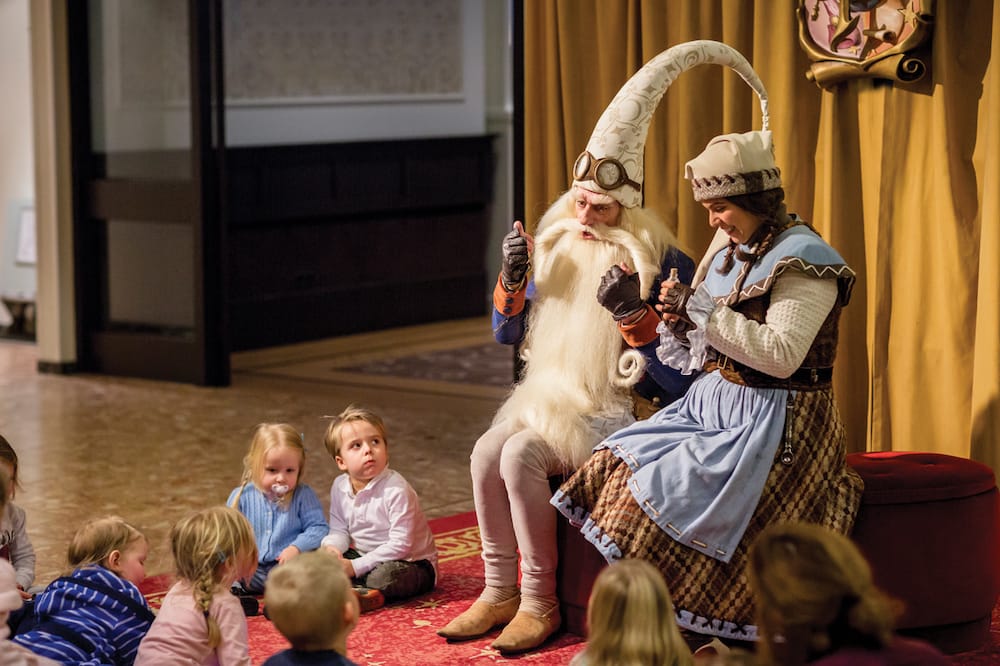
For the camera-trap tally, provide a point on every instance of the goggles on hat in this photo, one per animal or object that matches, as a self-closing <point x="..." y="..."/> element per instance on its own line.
<point x="606" y="172"/>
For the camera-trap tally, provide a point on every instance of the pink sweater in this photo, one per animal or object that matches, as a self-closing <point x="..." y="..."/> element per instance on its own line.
<point x="179" y="633"/>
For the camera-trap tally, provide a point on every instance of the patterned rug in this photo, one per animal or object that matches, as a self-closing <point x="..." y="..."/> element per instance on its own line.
<point x="458" y="359"/>
<point x="490" y="364"/>
<point x="404" y="633"/>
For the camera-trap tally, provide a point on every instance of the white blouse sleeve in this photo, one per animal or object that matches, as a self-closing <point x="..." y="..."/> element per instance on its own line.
<point x="799" y="306"/>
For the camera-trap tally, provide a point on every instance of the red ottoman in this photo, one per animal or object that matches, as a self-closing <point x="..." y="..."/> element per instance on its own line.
<point x="929" y="525"/>
<point x="579" y="564"/>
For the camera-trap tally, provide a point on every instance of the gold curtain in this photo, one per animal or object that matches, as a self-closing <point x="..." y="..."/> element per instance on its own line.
<point x="904" y="183"/>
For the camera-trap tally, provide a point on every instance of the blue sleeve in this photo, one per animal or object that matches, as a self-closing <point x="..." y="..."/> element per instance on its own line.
<point x="509" y="330"/>
<point x="660" y="380"/>
<point x="314" y="526"/>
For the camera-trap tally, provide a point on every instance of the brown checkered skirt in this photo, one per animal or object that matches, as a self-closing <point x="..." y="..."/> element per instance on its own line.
<point x="818" y="487"/>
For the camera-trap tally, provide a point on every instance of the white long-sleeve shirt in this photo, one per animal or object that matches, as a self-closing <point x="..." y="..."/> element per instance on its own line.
<point x="383" y="522"/>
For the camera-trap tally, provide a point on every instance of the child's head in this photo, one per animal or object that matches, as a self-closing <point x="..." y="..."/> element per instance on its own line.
<point x="8" y="464"/>
<point x="111" y="543"/>
<point x="212" y="548"/>
<point x="276" y="459"/>
<point x="309" y="599"/>
<point x="630" y="618"/>
<point x="356" y="438"/>
<point x="813" y="591"/>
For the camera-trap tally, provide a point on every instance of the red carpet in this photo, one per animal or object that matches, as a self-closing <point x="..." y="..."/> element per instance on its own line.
<point x="403" y="633"/>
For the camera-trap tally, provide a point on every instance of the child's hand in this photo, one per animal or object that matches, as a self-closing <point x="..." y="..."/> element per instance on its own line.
<point x="348" y="567"/>
<point x="331" y="549"/>
<point x="24" y="595"/>
<point x="287" y="554"/>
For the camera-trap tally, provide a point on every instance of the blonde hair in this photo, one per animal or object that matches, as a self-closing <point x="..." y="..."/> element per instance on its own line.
<point x="93" y="543"/>
<point x="210" y="548"/>
<point x="332" y="440"/>
<point x="266" y="438"/>
<point x="814" y="592"/>
<point x="305" y="598"/>
<point x="630" y="619"/>
<point x="8" y="454"/>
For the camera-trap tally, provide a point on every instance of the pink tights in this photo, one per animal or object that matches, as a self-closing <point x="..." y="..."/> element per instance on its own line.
<point x="510" y="484"/>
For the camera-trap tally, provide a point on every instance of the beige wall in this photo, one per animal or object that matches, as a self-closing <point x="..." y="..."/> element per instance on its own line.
<point x="16" y="156"/>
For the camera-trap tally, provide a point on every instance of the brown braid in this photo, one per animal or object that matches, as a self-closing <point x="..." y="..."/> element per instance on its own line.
<point x="212" y="548"/>
<point x="203" y="590"/>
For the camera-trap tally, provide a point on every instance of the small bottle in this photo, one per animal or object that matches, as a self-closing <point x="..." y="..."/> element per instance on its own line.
<point x="673" y="276"/>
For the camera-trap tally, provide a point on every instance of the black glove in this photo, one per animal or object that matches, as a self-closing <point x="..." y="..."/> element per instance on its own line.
<point x="674" y="300"/>
<point x="680" y="328"/>
<point x="515" y="259"/>
<point x="619" y="293"/>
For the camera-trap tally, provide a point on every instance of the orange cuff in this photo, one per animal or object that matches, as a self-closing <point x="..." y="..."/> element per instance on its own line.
<point x="643" y="331"/>
<point x="509" y="303"/>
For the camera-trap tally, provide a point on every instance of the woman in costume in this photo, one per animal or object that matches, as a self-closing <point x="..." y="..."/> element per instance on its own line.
<point x="757" y="439"/>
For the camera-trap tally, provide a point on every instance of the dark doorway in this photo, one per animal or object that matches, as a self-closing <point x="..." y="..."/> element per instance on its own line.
<point x="148" y="147"/>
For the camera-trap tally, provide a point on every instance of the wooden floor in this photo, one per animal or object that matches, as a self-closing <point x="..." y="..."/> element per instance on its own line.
<point x="150" y="451"/>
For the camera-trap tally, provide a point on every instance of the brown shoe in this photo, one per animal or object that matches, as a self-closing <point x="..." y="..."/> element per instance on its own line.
<point x="527" y="631"/>
<point x="369" y="599"/>
<point x="479" y="619"/>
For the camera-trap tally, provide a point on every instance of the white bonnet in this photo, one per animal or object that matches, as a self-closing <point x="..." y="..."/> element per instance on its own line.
<point x="734" y="164"/>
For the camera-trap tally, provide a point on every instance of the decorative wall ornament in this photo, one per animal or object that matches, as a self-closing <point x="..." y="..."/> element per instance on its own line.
<point x="850" y="39"/>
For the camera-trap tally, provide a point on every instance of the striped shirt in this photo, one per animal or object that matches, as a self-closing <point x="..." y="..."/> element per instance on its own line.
<point x="106" y="624"/>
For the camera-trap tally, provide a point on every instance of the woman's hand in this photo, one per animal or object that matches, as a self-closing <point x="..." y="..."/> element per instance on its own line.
<point x="673" y="307"/>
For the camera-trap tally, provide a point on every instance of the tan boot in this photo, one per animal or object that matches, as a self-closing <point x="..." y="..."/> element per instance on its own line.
<point x="480" y="618"/>
<point x="527" y="631"/>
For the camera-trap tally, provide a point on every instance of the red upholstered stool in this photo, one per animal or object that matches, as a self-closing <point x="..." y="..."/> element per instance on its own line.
<point x="579" y="564"/>
<point x="929" y="525"/>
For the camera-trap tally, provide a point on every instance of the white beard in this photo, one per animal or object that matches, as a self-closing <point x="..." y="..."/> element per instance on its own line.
<point x="575" y="367"/>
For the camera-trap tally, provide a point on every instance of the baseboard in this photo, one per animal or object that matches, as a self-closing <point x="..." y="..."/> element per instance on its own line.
<point x="57" y="367"/>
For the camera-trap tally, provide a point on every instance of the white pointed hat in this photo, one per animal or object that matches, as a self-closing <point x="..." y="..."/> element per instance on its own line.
<point x="614" y="154"/>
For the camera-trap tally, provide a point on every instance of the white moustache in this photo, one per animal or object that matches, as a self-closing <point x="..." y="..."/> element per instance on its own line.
<point x="569" y="230"/>
<point x="570" y="225"/>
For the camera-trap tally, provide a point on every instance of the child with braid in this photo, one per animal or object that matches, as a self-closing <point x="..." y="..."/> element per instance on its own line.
<point x="200" y="622"/>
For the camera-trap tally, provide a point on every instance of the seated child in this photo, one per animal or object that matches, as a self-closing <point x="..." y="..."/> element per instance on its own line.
<point x="96" y="614"/>
<point x="376" y="523"/>
<point x="286" y="516"/>
<point x="631" y="620"/>
<point x="816" y="603"/>
<point x="15" y="546"/>
<point x="200" y="622"/>
<point x="310" y="601"/>
<point x="10" y="601"/>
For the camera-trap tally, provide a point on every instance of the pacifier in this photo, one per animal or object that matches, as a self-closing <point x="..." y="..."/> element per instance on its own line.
<point x="278" y="491"/>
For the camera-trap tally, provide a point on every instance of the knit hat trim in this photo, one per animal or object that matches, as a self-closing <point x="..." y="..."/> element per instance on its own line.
<point x="728" y="185"/>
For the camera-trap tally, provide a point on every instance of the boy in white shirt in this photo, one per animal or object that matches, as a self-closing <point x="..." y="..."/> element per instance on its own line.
<point x="376" y="523"/>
